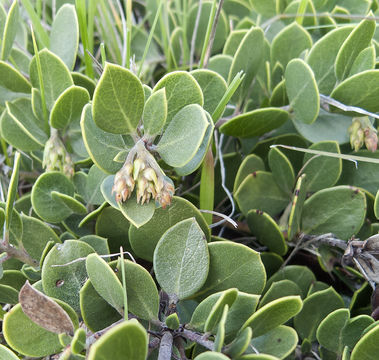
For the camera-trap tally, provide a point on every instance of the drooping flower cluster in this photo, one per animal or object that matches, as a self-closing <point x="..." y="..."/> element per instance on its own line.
<point x="56" y="157"/>
<point x="362" y="132"/>
<point x="141" y="172"/>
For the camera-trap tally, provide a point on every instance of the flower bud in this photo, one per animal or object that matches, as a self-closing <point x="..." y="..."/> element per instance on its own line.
<point x="138" y="166"/>
<point x="371" y="140"/>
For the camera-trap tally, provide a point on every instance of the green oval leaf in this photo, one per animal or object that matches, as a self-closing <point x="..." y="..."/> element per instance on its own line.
<point x="19" y="127"/>
<point x="145" y="238"/>
<point x="247" y="58"/>
<point x="233" y="265"/>
<point x="221" y="64"/>
<point x="64" y="35"/>
<point x="259" y="191"/>
<point x="227" y="298"/>
<point x="315" y="308"/>
<point x="141" y="291"/>
<point x="65" y="282"/>
<point x="279" y="342"/>
<point x="282" y="169"/>
<point x="155" y="113"/>
<point x="127" y="340"/>
<point x="118" y="100"/>
<point x="301" y="275"/>
<point x="96" y="312"/>
<point x="12" y="79"/>
<point x="327" y="127"/>
<point x="361" y="90"/>
<point x="322" y="171"/>
<point x="101" y="146"/>
<point x="367" y="346"/>
<point x="322" y="56"/>
<point x="266" y="231"/>
<point x="181" y="259"/>
<point x="68" y="107"/>
<point x="105" y="281"/>
<point x="255" y="123"/>
<point x="7" y="354"/>
<point x="279" y="289"/>
<point x="46" y="207"/>
<point x="210" y="355"/>
<point x="198" y="159"/>
<point x="36" y="236"/>
<point x="289" y="43"/>
<point x="273" y="314"/>
<point x="358" y="40"/>
<point x="10" y="30"/>
<point x="213" y="87"/>
<point x="187" y="127"/>
<point x="52" y="68"/>
<point x="329" y="331"/>
<point x="302" y="91"/>
<point x="248" y="165"/>
<point x="181" y="90"/>
<point x="329" y="210"/>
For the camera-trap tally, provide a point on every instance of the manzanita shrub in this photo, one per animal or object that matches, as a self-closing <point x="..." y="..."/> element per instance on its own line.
<point x="184" y="179"/>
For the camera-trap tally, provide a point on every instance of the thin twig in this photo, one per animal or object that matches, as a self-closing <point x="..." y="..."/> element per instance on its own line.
<point x="194" y="34"/>
<point x="213" y="35"/>
<point x="91" y="339"/>
<point x="99" y="67"/>
<point x="165" y="348"/>
<point x="193" y="187"/>
<point x="16" y="253"/>
<point x="352" y="158"/>
<point x="227" y="218"/>
<point x="307" y="240"/>
<point x="198" y="338"/>
<point x="102" y="256"/>
<point x="330" y="101"/>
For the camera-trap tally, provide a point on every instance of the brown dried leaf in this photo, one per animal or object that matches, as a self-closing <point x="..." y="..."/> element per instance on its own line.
<point x="44" y="311"/>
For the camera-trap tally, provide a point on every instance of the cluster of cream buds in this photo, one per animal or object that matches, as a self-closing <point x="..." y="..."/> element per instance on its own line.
<point x="362" y="132"/>
<point x="149" y="185"/>
<point x="56" y="157"/>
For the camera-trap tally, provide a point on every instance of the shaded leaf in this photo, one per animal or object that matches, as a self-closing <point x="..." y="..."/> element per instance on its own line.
<point x="330" y="209"/>
<point x="302" y="91"/>
<point x="233" y="265"/>
<point x="105" y="281"/>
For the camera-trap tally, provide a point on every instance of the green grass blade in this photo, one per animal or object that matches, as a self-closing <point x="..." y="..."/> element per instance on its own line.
<point x="12" y="191"/>
<point x="42" y="35"/>
<point x="82" y="19"/>
<point x="207" y="186"/>
<point x="152" y="30"/>
<point x="227" y="96"/>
